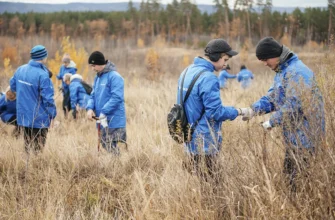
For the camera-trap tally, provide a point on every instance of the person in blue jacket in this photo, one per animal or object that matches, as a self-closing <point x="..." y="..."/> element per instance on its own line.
<point x="296" y="103"/>
<point x="8" y="110"/>
<point x="244" y="77"/>
<point x="204" y="109"/>
<point x="78" y="95"/>
<point x="35" y="105"/>
<point x="68" y="66"/>
<point x="224" y="76"/>
<point x="107" y="102"/>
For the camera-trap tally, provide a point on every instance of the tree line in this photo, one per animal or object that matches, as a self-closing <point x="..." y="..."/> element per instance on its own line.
<point x="180" y="21"/>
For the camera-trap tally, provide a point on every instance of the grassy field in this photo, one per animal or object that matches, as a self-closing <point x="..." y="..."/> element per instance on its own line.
<point x="72" y="180"/>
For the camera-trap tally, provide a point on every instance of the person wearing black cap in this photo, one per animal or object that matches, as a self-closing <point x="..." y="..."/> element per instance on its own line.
<point x="107" y="102"/>
<point x="203" y="108"/>
<point x="224" y="76"/>
<point x="35" y="103"/>
<point x="296" y="103"/>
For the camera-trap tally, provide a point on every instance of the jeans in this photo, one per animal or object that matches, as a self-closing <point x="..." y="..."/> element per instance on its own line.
<point x="110" y="137"/>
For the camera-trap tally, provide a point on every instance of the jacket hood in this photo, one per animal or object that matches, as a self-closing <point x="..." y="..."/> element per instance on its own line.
<point x="108" y="68"/>
<point x="287" y="53"/>
<point x="200" y="61"/>
<point x="72" y="64"/>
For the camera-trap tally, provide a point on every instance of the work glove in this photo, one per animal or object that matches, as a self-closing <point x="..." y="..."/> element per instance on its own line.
<point x="267" y="125"/>
<point x="247" y="113"/>
<point x="103" y="120"/>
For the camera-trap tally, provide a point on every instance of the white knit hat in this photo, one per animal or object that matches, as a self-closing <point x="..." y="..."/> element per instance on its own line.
<point x="76" y="76"/>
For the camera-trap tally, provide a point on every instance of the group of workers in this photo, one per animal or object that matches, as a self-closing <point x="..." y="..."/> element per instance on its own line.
<point x="294" y="99"/>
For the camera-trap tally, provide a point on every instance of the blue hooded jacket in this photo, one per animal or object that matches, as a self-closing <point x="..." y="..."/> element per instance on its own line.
<point x="244" y="77"/>
<point x="107" y="96"/>
<point x="224" y="75"/>
<point x="78" y="94"/>
<point x="71" y="68"/>
<point x="35" y="103"/>
<point x="205" y="96"/>
<point x="7" y="109"/>
<point x="297" y="104"/>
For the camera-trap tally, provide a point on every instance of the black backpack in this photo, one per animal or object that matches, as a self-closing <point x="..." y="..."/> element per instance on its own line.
<point x="88" y="88"/>
<point x="180" y="130"/>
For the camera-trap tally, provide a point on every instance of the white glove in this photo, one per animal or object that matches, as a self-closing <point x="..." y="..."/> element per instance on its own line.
<point x="266" y="125"/>
<point x="247" y="113"/>
<point x="103" y="120"/>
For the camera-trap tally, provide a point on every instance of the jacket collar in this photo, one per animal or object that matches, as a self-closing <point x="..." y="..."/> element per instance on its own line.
<point x="199" y="61"/>
<point x="286" y="63"/>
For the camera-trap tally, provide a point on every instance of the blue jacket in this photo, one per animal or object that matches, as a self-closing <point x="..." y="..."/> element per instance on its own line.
<point x="78" y="94"/>
<point x="244" y="77"/>
<point x="35" y="103"/>
<point x="62" y="71"/>
<point x="107" y="97"/>
<point x="205" y="95"/>
<point x="224" y="75"/>
<point x="297" y="104"/>
<point x="7" y="109"/>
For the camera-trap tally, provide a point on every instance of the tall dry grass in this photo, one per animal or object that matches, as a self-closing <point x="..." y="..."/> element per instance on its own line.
<point x="72" y="180"/>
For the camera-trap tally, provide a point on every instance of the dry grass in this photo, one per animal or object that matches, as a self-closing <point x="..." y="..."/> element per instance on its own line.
<point x="71" y="180"/>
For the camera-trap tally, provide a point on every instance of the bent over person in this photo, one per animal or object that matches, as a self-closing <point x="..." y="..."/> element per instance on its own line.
<point x="203" y="108"/>
<point x="107" y="102"/>
<point x="34" y="99"/>
<point x="296" y="103"/>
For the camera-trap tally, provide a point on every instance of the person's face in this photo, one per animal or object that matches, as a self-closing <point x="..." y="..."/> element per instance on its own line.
<point x="67" y="82"/>
<point x="66" y="64"/>
<point x="222" y="62"/>
<point x="272" y="63"/>
<point x="97" y="68"/>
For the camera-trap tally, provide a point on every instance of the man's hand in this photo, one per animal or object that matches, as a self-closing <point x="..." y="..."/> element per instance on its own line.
<point x="103" y="120"/>
<point x="247" y="113"/>
<point x="90" y="114"/>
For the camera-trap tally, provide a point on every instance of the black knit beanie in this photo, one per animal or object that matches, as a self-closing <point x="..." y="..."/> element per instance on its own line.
<point x="97" y="58"/>
<point x="268" y="48"/>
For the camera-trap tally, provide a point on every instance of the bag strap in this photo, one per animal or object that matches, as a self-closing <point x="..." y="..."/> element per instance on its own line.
<point x="191" y="86"/>
<point x="189" y="92"/>
<point x="181" y="88"/>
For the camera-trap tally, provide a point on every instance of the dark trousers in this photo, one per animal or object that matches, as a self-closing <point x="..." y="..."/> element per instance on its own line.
<point x="66" y="103"/>
<point x="110" y="137"/>
<point x="34" y="139"/>
<point x="204" y="166"/>
<point x="295" y="163"/>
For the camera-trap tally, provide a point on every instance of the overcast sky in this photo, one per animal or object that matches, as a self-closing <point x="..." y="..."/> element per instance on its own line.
<point x="277" y="3"/>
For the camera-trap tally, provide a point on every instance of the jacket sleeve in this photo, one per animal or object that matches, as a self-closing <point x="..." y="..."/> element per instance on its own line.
<point x="292" y="107"/>
<point x="210" y="94"/>
<point x="239" y="78"/>
<point x="116" y="84"/>
<point x="265" y="104"/>
<point x="230" y="76"/>
<point x="73" y="96"/>
<point x="59" y="76"/>
<point x="12" y="83"/>
<point x="2" y="104"/>
<point x="47" y="94"/>
<point x="90" y="103"/>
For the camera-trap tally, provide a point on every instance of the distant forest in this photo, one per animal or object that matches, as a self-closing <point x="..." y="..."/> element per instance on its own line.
<point x="180" y="21"/>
